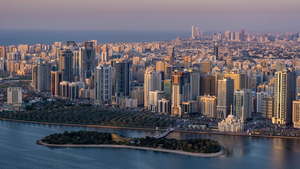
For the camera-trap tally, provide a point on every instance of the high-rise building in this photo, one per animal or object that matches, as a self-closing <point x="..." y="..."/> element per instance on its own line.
<point x="164" y="106"/>
<point x="64" y="89"/>
<point x="206" y="67"/>
<point x="207" y="85"/>
<point x="41" y="76"/>
<point x="14" y="96"/>
<point x="74" y="89"/>
<point x="180" y="91"/>
<point x="65" y="64"/>
<point x="225" y="97"/>
<point x="2" y="52"/>
<point x="228" y="35"/>
<point x="296" y="114"/>
<point x="259" y="98"/>
<point x="193" y="32"/>
<point x="194" y="84"/>
<point x="86" y="61"/>
<point x="138" y="94"/>
<point x="242" y="34"/>
<point x="154" y="96"/>
<point x="153" y="81"/>
<point x="216" y="51"/>
<point x="168" y="89"/>
<point x="160" y="66"/>
<point x="285" y="93"/>
<point x="121" y="81"/>
<point x="103" y="82"/>
<point x="267" y="107"/>
<point x="208" y="106"/>
<point x="242" y="104"/>
<point x="56" y="78"/>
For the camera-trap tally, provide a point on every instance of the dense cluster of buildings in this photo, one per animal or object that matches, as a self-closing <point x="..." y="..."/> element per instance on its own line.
<point x="202" y="75"/>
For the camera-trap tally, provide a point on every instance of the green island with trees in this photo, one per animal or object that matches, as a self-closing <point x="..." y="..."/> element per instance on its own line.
<point x="97" y="138"/>
<point x="93" y="116"/>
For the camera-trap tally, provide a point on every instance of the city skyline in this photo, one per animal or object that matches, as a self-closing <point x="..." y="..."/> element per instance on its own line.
<point x="150" y="15"/>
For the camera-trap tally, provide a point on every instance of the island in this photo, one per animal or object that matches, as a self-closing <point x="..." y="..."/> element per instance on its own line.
<point x="192" y="147"/>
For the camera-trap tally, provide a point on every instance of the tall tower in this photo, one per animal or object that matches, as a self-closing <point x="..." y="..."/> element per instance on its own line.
<point x="243" y="35"/>
<point x="285" y="93"/>
<point x="153" y="80"/>
<point x="193" y="32"/>
<point x="180" y="91"/>
<point x="41" y="76"/>
<point x="103" y="82"/>
<point x="121" y="81"/>
<point x="216" y="51"/>
<point x="66" y="64"/>
<point x="2" y="52"/>
<point x="242" y="104"/>
<point x="225" y="97"/>
<point x="86" y="60"/>
<point x="56" y="78"/>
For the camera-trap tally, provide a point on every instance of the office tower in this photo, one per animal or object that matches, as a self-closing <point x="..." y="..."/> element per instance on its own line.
<point x="194" y="84"/>
<point x="285" y="93"/>
<point x="189" y="108"/>
<point x="65" y="64"/>
<point x="242" y="104"/>
<point x="41" y="76"/>
<point x="225" y="97"/>
<point x="228" y="35"/>
<point x="193" y="32"/>
<point x="154" y="96"/>
<point x="201" y="33"/>
<point x="35" y="76"/>
<point x="104" y="54"/>
<point x="86" y="60"/>
<point x="242" y="34"/>
<point x="237" y="36"/>
<point x="259" y="98"/>
<point x="74" y="89"/>
<point x="232" y="36"/>
<point x="56" y="78"/>
<point x="64" y="89"/>
<point x="103" y="82"/>
<point x="216" y="51"/>
<point x="121" y="81"/>
<point x="164" y="106"/>
<point x="160" y="66"/>
<point x="205" y="67"/>
<point x="2" y="52"/>
<point x="267" y="107"/>
<point x="14" y="96"/>
<point x="207" y="85"/>
<point x="180" y="91"/>
<point x="208" y="106"/>
<point x="168" y="89"/>
<point x="153" y="81"/>
<point x="138" y="94"/>
<point x="296" y="114"/>
<point x="76" y="64"/>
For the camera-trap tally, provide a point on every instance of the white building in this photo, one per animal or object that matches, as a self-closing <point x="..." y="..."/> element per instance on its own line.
<point x="242" y="104"/>
<point x="230" y="124"/>
<point x="14" y="96"/>
<point x="153" y="80"/>
<point x="154" y="96"/>
<point x="103" y="82"/>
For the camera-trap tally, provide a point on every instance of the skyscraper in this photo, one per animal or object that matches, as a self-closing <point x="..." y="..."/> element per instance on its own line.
<point x="103" y="83"/>
<point x="243" y="35"/>
<point x="41" y="76"/>
<point x="121" y="81"/>
<point x="285" y="93"/>
<point x="66" y="64"/>
<point x="56" y="78"/>
<point x="205" y="67"/>
<point x="2" y="52"/>
<point x="86" y="60"/>
<point x="216" y="51"/>
<point x="180" y="91"/>
<point x="168" y="89"/>
<point x="207" y="85"/>
<point x="153" y="81"/>
<point x="296" y="114"/>
<point x="194" y="84"/>
<point x="242" y="104"/>
<point x="225" y="97"/>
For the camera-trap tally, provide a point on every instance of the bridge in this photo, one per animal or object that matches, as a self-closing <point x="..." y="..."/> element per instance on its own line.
<point x="169" y="130"/>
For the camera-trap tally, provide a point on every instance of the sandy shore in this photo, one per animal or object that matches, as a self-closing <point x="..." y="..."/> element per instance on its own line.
<point x="222" y="152"/>
<point x="148" y="129"/>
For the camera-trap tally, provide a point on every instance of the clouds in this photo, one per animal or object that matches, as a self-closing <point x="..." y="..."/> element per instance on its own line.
<point x="260" y="15"/>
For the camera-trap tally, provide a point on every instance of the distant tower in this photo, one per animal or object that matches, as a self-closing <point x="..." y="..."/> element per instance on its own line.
<point x="66" y="64"/>
<point x="242" y="104"/>
<point x="121" y="81"/>
<point x="86" y="60"/>
<point x="56" y="78"/>
<point x="103" y="82"/>
<point x="216" y="51"/>
<point x="243" y="35"/>
<point x="193" y="32"/>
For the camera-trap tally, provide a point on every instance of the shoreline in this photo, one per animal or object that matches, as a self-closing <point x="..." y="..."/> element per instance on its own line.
<point x="146" y="129"/>
<point x="221" y="152"/>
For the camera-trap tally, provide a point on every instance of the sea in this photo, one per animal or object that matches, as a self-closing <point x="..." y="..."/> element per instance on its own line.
<point x="48" y="37"/>
<point x="18" y="150"/>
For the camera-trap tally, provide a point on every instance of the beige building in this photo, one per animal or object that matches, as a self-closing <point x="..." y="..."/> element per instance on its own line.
<point x="296" y="114"/>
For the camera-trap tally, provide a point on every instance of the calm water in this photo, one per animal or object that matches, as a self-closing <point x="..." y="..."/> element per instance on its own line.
<point x="48" y="37"/>
<point x="18" y="150"/>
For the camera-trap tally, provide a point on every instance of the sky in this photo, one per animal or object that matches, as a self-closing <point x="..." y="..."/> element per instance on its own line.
<point x="175" y="15"/>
